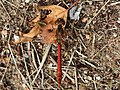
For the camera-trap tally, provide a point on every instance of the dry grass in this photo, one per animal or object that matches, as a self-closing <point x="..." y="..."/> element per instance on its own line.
<point x="90" y="51"/>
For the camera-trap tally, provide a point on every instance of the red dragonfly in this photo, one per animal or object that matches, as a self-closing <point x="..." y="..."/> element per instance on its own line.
<point x="60" y="22"/>
<point x="59" y="34"/>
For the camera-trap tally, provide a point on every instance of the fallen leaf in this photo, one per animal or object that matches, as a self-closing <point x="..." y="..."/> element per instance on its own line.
<point x="57" y="12"/>
<point x="47" y="27"/>
<point x="33" y="32"/>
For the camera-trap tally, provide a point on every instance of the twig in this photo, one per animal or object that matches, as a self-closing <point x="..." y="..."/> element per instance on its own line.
<point x="65" y="3"/>
<point x="96" y="14"/>
<point x="93" y="44"/>
<point x="76" y="80"/>
<point x="114" y="3"/>
<point x="11" y="4"/>
<point x="14" y="60"/>
<point x="79" y="37"/>
<point x="5" y="9"/>
<point x="99" y="51"/>
<point x="68" y="66"/>
<point x="95" y="83"/>
<point x="28" y="75"/>
<point x="81" y="78"/>
<point x="33" y="59"/>
<point x="42" y="63"/>
<point x="68" y="76"/>
<point x="81" y="54"/>
<point x="89" y="63"/>
<point x="42" y="81"/>
<point x="38" y="59"/>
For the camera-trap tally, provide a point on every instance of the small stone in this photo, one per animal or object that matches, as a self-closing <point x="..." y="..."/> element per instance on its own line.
<point x="85" y="72"/>
<point x="16" y="38"/>
<point x="98" y="78"/>
<point x="114" y="34"/>
<point x="89" y="78"/>
<point x="86" y="81"/>
<point x="27" y="1"/>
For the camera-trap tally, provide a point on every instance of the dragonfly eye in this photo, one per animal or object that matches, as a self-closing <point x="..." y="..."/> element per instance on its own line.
<point x="46" y="11"/>
<point x="60" y="21"/>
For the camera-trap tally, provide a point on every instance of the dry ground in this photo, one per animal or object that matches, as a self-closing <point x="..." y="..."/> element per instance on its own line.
<point x="90" y="50"/>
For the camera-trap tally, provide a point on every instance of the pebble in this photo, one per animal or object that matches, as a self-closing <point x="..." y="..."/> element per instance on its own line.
<point x="89" y="78"/>
<point x="86" y="81"/>
<point x="85" y="72"/>
<point x="27" y="1"/>
<point x="98" y="78"/>
<point x="16" y="38"/>
<point x="118" y="21"/>
<point x="114" y="34"/>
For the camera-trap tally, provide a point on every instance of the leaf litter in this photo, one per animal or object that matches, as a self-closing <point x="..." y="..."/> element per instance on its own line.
<point x="100" y="37"/>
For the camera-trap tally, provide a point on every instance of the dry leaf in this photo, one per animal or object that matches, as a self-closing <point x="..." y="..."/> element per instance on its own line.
<point x="57" y="12"/>
<point x="49" y="27"/>
<point x="33" y="32"/>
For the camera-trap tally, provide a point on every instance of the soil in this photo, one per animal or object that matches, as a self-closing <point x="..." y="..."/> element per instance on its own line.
<point x="90" y="48"/>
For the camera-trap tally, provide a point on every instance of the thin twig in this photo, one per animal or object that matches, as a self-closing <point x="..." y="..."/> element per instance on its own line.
<point x="115" y="3"/>
<point x="88" y="63"/>
<point x="5" y="9"/>
<point x="65" y="3"/>
<point x="42" y="81"/>
<point x="68" y="66"/>
<point x="42" y="63"/>
<point x="93" y="44"/>
<point x="76" y="80"/>
<point x="38" y="59"/>
<point x="28" y="75"/>
<point x="11" y="4"/>
<point x="94" y="83"/>
<point x="81" y="54"/>
<point x="96" y="14"/>
<point x="33" y="59"/>
<point x="14" y="60"/>
<point x="80" y="38"/>
<point x="99" y="51"/>
<point x="81" y="78"/>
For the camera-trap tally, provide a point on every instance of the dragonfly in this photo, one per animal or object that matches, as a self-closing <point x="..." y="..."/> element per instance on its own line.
<point x="50" y="16"/>
<point x="59" y="32"/>
<point x="60" y="22"/>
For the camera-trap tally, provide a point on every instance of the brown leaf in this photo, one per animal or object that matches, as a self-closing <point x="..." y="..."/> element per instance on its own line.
<point x="57" y="12"/>
<point x="49" y="27"/>
<point x="33" y="32"/>
<point x="48" y="33"/>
